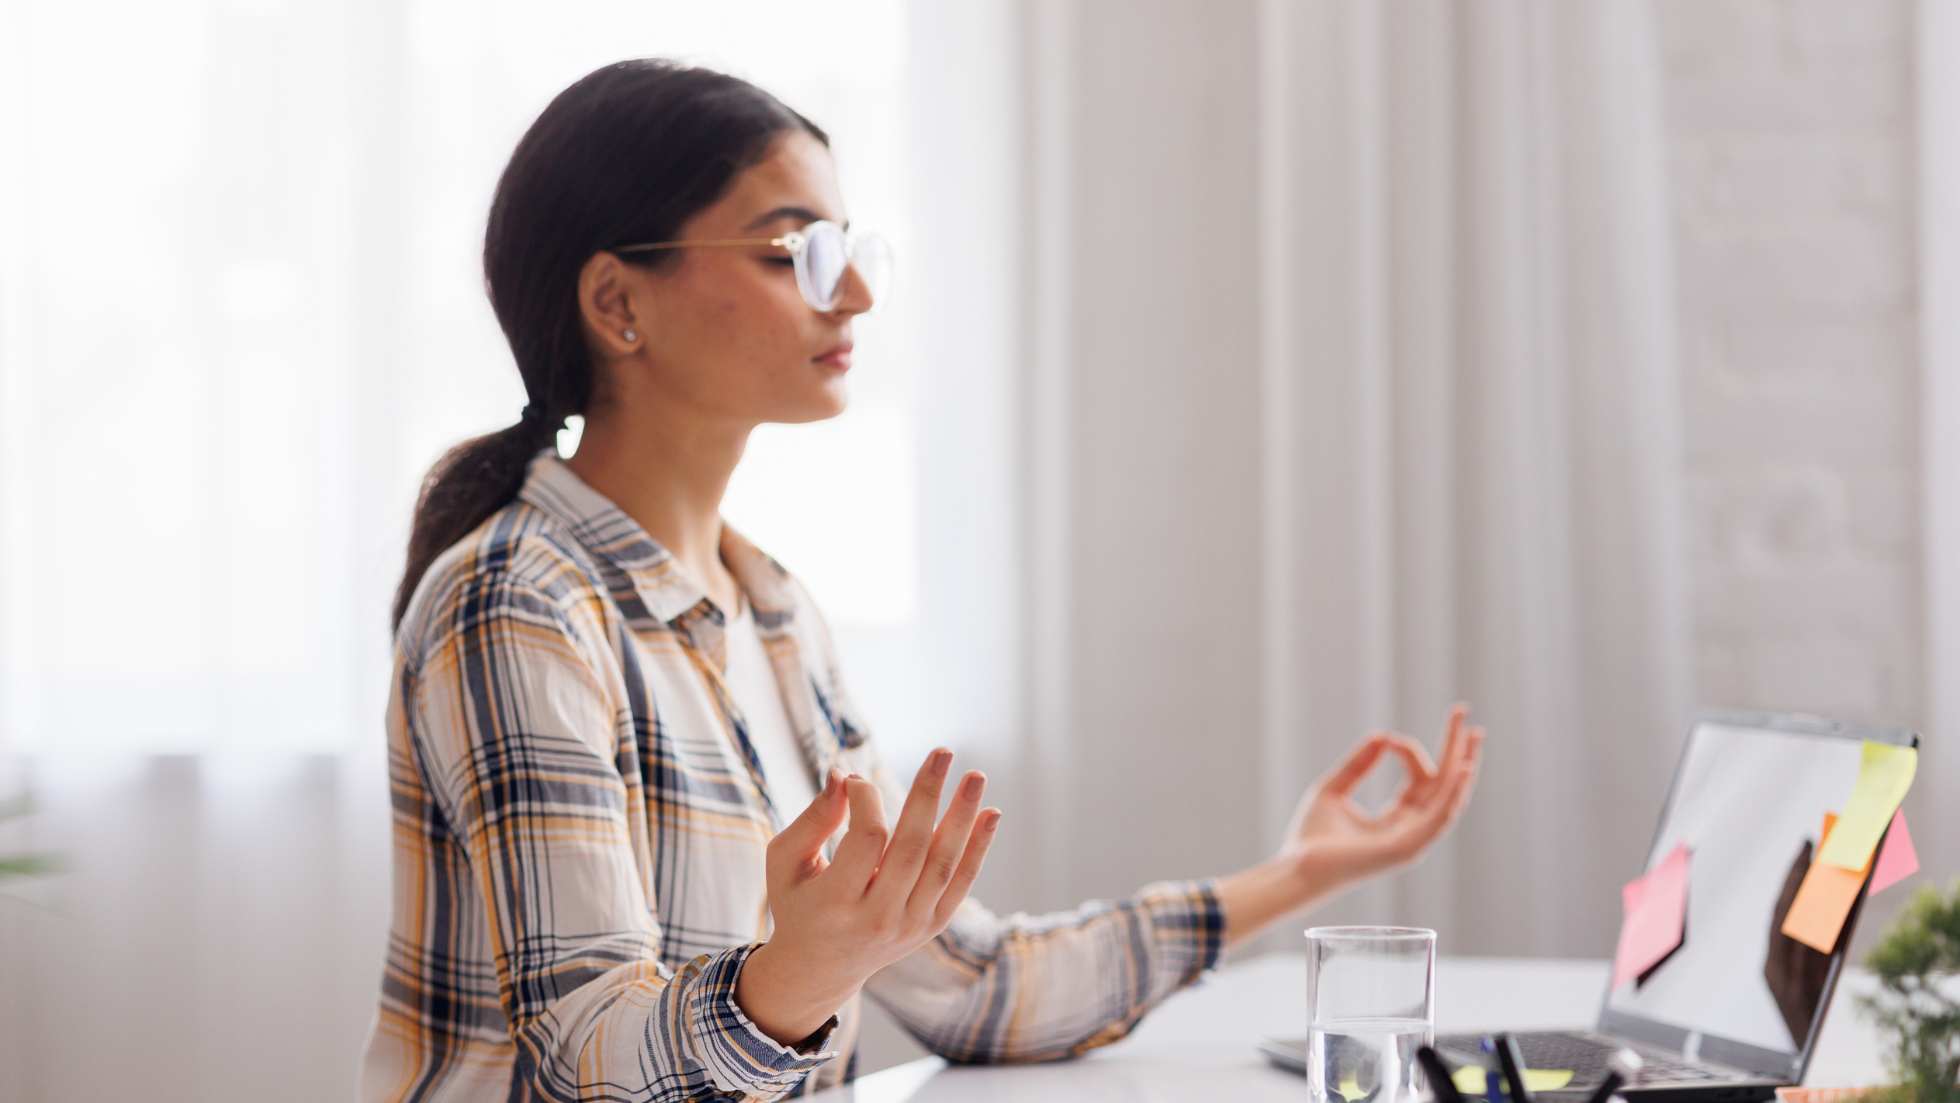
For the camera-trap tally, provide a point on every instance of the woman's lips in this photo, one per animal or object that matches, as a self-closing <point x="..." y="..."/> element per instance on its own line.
<point x="839" y="357"/>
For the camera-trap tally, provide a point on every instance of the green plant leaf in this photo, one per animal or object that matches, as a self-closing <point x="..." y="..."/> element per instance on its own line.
<point x="1920" y="1020"/>
<point x="27" y="865"/>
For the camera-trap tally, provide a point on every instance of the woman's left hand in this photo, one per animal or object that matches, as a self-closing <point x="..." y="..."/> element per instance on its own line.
<point x="1334" y="842"/>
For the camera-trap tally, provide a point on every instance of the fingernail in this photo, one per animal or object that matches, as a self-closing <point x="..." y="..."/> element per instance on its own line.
<point x="971" y="786"/>
<point x="941" y="759"/>
<point x="855" y="777"/>
<point x="991" y="820"/>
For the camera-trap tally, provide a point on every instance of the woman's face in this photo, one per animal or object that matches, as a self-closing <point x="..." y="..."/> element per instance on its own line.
<point x="723" y="332"/>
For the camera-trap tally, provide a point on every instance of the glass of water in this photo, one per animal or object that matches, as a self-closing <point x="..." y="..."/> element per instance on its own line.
<point x="1371" y="1001"/>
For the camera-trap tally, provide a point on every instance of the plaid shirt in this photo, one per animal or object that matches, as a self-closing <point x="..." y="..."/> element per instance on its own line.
<point x="579" y="833"/>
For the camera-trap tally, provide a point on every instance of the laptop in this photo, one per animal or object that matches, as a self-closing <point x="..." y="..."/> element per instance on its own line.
<point x="1734" y="1012"/>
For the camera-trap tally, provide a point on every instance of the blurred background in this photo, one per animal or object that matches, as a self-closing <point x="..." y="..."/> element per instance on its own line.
<point x="1258" y="374"/>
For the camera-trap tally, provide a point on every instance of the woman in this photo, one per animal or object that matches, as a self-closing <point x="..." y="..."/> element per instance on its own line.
<point x="616" y="875"/>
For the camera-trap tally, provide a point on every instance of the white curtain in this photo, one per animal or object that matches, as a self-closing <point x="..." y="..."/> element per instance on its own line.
<point x="1361" y="320"/>
<point x="214" y="933"/>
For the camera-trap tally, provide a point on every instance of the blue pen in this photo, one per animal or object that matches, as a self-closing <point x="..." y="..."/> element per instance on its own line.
<point x="1493" y="1083"/>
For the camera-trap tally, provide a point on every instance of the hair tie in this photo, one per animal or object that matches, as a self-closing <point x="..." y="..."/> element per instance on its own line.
<point x="531" y="415"/>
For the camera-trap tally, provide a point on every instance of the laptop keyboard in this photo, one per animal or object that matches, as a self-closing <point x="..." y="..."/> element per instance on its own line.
<point x="1585" y="1055"/>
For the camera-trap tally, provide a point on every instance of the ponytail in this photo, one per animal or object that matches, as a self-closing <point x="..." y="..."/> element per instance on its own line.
<point x="469" y="483"/>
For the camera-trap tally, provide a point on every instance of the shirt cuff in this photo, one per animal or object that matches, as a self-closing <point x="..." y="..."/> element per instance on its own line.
<point x="1187" y="923"/>
<point x="738" y="1054"/>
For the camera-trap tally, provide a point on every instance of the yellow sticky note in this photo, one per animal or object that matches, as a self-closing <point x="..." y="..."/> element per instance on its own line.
<point x="1470" y="1080"/>
<point x="1884" y="774"/>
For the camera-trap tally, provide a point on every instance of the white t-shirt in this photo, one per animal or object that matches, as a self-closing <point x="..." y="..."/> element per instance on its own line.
<point x="752" y="680"/>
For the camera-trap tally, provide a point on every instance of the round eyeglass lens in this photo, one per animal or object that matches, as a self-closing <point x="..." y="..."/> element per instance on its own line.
<point x="823" y="265"/>
<point x="828" y="252"/>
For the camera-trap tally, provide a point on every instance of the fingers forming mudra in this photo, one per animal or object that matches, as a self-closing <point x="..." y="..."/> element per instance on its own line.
<point x="1342" y="840"/>
<point x="890" y="887"/>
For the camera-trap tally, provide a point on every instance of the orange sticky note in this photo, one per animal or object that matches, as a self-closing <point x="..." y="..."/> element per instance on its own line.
<point x="1823" y="900"/>
<point x="1656" y="907"/>
<point x="1897" y="860"/>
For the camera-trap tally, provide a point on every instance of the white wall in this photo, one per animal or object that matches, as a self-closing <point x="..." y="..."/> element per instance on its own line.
<point x="1791" y="133"/>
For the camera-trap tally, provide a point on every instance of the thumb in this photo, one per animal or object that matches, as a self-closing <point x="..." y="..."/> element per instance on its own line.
<point x="801" y="841"/>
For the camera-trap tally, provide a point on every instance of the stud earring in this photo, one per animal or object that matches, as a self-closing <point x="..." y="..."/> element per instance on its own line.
<point x="629" y="335"/>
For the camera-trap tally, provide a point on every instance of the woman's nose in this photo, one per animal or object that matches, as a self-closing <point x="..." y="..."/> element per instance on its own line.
<point x="853" y="293"/>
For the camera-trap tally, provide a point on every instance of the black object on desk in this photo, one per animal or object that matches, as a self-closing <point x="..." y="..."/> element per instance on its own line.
<point x="1513" y="1066"/>
<point x="1624" y="1066"/>
<point x="1441" y="1085"/>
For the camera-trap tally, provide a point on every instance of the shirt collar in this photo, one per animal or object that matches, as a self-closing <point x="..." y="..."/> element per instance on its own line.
<point x="639" y="572"/>
<point x="617" y="541"/>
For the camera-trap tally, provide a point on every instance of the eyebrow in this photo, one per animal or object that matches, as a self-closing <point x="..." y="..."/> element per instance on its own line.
<point x="803" y="213"/>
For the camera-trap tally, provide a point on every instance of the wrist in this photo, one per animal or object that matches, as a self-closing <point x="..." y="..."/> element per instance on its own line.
<point x="1254" y="898"/>
<point x="782" y="995"/>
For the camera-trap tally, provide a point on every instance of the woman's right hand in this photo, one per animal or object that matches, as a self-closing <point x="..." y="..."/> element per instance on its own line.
<point x="888" y="891"/>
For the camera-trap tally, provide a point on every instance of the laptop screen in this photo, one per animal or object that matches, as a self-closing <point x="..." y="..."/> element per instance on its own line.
<point x="1749" y="800"/>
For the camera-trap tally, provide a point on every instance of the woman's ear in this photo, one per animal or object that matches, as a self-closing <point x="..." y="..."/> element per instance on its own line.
<point x="606" y="303"/>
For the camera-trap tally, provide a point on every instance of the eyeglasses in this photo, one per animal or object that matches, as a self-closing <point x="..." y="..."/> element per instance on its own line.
<point x="822" y="252"/>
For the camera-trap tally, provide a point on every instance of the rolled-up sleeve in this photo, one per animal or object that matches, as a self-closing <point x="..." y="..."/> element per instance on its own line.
<point x="1036" y="988"/>
<point x="517" y="732"/>
<point x="1020" y="987"/>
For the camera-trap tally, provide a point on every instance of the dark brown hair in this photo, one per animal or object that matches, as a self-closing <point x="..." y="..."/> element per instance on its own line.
<point x="627" y="153"/>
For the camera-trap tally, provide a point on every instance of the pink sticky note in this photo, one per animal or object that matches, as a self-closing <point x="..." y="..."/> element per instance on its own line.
<point x="1656" y="906"/>
<point x="1897" y="860"/>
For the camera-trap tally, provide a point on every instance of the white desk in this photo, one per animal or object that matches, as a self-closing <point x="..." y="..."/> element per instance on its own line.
<point x="1199" y="1043"/>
